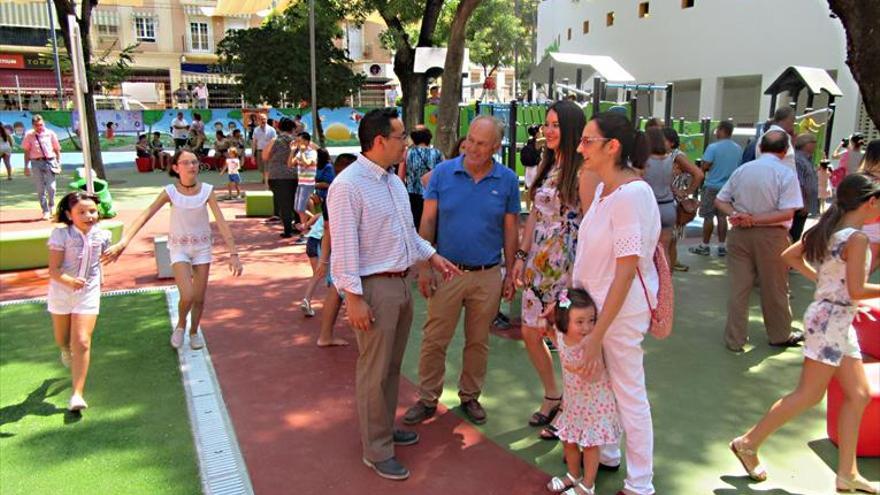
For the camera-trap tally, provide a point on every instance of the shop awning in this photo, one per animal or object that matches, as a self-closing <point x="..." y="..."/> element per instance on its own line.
<point x="33" y="81"/>
<point x="27" y="14"/>
<point x="208" y="78"/>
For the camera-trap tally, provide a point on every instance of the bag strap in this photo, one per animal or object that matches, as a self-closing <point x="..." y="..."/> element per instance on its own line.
<point x="644" y="289"/>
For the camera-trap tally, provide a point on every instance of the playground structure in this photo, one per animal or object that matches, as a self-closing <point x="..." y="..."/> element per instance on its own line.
<point x="695" y="135"/>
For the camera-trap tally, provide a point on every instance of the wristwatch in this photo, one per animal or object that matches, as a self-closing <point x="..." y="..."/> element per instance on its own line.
<point x="521" y="255"/>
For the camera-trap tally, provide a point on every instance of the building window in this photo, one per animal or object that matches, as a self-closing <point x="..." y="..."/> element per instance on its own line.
<point x="586" y="27"/>
<point x="108" y="29"/>
<point x="609" y="19"/>
<point x="686" y="4"/>
<point x="643" y="10"/>
<point x="145" y="28"/>
<point x="354" y="38"/>
<point x="198" y="36"/>
<point x="569" y="34"/>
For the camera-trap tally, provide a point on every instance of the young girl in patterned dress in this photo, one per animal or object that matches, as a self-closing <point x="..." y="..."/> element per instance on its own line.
<point x="589" y="416"/>
<point x="839" y="250"/>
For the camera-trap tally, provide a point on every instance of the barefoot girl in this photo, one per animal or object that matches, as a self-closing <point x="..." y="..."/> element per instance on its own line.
<point x="189" y="241"/>
<point x="839" y="250"/>
<point x="75" y="284"/>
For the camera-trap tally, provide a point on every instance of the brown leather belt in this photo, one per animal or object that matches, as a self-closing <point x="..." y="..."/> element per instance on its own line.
<point x="402" y="274"/>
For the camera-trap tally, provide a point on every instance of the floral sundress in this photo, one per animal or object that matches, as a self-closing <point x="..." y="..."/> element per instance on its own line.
<point x="551" y="256"/>
<point x="589" y="411"/>
<point x="829" y="332"/>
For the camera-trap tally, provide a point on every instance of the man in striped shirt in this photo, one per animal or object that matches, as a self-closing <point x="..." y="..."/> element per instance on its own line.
<point x="374" y="244"/>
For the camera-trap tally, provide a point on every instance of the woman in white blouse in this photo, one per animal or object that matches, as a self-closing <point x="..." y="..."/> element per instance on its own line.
<point x="622" y="227"/>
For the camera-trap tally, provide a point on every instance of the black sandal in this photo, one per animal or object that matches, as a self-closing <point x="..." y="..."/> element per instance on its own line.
<point x="541" y="419"/>
<point x="549" y="433"/>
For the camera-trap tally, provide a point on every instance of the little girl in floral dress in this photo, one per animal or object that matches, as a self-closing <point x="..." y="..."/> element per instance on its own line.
<point x="589" y="415"/>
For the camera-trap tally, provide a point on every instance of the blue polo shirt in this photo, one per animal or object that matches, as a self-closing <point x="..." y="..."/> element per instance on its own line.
<point x="470" y="216"/>
<point x="725" y="156"/>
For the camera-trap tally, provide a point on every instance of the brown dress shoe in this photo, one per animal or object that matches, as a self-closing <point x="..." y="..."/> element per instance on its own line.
<point x="474" y="411"/>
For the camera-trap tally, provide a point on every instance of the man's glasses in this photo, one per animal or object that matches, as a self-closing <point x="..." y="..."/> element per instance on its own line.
<point x="401" y="137"/>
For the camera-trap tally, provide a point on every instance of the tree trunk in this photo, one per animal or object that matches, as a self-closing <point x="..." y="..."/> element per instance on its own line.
<point x="63" y="8"/>
<point x="859" y="20"/>
<point x="412" y="86"/>
<point x="447" y="120"/>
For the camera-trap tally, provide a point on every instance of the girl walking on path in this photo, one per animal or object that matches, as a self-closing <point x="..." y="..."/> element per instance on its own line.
<point x="838" y="249"/>
<point x="559" y="193"/>
<point x="589" y="418"/>
<point x="75" y="252"/>
<point x="614" y="263"/>
<point x="189" y="241"/>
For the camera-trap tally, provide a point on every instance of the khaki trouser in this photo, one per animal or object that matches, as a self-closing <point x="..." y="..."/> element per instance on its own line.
<point x="378" y="365"/>
<point x="754" y="254"/>
<point x="479" y="292"/>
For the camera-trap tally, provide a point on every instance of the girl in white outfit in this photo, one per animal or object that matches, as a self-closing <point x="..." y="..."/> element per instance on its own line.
<point x="189" y="241"/>
<point x="838" y="249"/>
<point x="623" y="226"/>
<point x="75" y="252"/>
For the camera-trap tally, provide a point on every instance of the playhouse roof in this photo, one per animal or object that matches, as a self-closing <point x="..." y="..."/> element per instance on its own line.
<point x="795" y="78"/>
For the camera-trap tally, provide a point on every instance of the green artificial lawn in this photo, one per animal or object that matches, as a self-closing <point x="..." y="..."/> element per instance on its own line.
<point x="134" y="438"/>
<point x="701" y="396"/>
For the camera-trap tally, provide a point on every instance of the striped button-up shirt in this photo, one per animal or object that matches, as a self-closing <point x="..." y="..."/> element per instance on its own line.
<point x="371" y="226"/>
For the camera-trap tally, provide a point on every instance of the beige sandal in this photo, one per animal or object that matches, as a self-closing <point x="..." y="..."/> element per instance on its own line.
<point x="757" y="472"/>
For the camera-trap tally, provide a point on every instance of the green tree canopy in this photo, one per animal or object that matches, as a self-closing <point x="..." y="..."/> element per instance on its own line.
<point x="272" y="60"/>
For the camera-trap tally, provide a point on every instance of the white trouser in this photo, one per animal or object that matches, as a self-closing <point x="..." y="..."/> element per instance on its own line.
<point x="624" y="358"/>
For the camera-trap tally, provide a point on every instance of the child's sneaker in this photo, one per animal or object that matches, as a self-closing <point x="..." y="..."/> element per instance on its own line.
<point x="76" y="403"/>
<point x="306" y="307"/>
<point x="722" y="251"/>
<point x="196" y="341"/>
<point x="65" y="357"/>
<point x="702" y="250"/>
<point x="177" y="338"/>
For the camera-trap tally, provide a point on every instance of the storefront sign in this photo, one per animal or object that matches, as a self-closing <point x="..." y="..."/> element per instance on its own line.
<point x="11" y="61"/>
<point x="26" y="61"/>
<point x="205" y="68"/>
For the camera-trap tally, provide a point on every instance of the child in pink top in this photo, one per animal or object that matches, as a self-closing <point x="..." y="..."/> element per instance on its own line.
<point x="231" y="166"/>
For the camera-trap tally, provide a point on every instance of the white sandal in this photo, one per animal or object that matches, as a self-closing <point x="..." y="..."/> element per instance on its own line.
<point x="558" y="485"/>
<point x="580" y="489"/>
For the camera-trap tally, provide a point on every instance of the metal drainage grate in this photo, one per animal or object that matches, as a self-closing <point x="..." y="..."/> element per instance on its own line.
<point x="221" y="465"/>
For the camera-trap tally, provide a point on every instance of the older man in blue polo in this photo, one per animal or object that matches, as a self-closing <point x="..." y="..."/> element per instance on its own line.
<point x="472" y="204"/>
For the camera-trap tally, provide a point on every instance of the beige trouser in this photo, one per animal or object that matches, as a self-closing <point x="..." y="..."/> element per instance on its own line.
<point x="479" y="292"/>
<point x="378" y="365"/>
<point x="755" y="254"/>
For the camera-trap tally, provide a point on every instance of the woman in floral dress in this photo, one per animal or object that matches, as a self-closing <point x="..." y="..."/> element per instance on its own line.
<point x="546" y="254"/>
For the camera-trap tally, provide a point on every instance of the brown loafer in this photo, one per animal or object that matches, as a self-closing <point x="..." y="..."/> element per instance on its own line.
<point x="474" y="411"/>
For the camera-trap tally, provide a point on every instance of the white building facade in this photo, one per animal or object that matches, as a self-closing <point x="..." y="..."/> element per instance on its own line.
<point x="720" y="54"/>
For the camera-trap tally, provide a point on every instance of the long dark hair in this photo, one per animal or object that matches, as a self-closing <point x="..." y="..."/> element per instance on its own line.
<point x="4" y="136"/>
<point x="852" y="193"/>
<point x="571" y="124"/>
<point x="633" y="143"/>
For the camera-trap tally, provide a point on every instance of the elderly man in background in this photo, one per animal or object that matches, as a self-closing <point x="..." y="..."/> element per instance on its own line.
<point x="759" y="200"/>
<point x="804" y="148"/>
<point x="42" y="153"/>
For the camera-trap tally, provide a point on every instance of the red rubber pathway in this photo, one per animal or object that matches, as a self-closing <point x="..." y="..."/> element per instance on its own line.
<point x="292" y="403"/>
